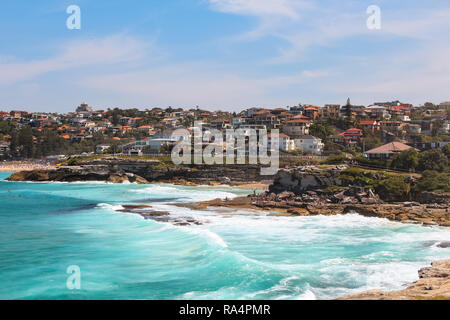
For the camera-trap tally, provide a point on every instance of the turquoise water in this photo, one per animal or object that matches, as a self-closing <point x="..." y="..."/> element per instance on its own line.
<point x="45" y="228"/>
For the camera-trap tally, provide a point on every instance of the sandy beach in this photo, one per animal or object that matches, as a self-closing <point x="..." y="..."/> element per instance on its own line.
<point x="16" y="166"/>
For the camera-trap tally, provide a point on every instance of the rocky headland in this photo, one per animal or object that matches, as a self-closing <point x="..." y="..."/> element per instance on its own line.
<point x="335" y="190"/>
<point x="112" y="174"/>
<point x="118" y="170"/>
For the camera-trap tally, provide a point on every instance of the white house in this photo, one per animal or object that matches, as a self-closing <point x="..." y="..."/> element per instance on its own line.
<point x="309" y="143"/>
<point x="286" y="144"/>
<point x="102" y="148"/>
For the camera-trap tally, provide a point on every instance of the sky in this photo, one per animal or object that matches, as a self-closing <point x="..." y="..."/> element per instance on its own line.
<point x="221" y="54"/>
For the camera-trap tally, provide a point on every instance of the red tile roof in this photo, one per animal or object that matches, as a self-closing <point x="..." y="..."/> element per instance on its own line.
<point x="299" y="121"/>
<point x="367" y="122"/>
<point x="390" y="148"/>
<point x="300" y="116"/>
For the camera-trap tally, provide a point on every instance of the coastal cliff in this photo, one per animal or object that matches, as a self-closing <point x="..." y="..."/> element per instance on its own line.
<point x="434" y="284"/>
<point x="111" y="174"/>
<point x="145" y="171"/>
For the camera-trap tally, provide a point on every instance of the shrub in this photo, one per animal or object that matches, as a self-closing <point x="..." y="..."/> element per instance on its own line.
<point x="446" y="151"/>
<point x="433" y="181"/>
<point x="340" y="159"/>
<point x="393" y="189"/>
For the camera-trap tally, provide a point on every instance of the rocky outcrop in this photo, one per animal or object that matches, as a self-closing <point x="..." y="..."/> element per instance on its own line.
<point x="434" y="284"/>
<point x="432" y="198"/>
<point x="118" y="170"/>
<point x="146" y="212"/>
<point x="106" y="173"/>
<point x="301" y="179"/>
<point x="332" y="190"/>
<point x="401" y="212"/>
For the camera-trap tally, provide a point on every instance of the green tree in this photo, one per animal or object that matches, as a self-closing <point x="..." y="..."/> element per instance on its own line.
<point x="26" y="142"/>
<point x="113" y="149"/>
<point x="433" y="159"/>
<point x="430" y="106"/>
<point x="321" y="130"/>
<point x="408" y="159"/>
<point x="437" y="126"/>
<point x="446" y="151"/>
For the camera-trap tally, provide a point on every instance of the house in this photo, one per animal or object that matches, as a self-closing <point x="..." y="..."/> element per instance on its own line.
<point x="349" y="137"/>
<point x="40" y="122"/>
<point x="252" y="111"/>
<point x="331" y="111"/>
<point x="400" y="110"/>
<point x="428" y="145"/>
<point x="286" y="144"/>
<point x="386" y="151"/>
<point x="297" y="110"/>
<point x="147" y="129"/>
<point x="264" y="117"/>
<point x="19" y="114"/>
<point x="404" y="118"/>
<point x="124" y="121"/>
<point x="370" y="124"/>
<point x="309" y="143"/>
<point x="171" y="122"/>
<point x="238" y="122"/>
<point x="425" y="125"/>
<point x="158" y="143"/>
<point x="392" y="126"/>
<point x="219" y="124"/>
<point x="297" y="127"/>
<point x="312" y="112"/>
<point x="134" y="122"/>
<point x="84" y="107"/>
<point x="444" y="105"/>
<point x="102" y="148"/>
<point x="353" y="133"/>
<point x="378" y="112"/>
<point x="3" y="114"/>
<point x="414" y="128"/>
<point x="445" y="129"/>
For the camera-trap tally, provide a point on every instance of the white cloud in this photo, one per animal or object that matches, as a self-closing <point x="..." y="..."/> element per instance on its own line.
<point x="114" y="49"/>
<point x="203" y="84"/>
<point x="287" y="8"/>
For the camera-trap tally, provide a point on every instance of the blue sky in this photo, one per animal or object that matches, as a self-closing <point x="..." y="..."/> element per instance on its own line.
<point x="221" y="54"/>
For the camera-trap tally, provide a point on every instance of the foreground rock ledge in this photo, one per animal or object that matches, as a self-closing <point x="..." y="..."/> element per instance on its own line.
<point x="429" y="215"/>
<point x="434" y="284"/>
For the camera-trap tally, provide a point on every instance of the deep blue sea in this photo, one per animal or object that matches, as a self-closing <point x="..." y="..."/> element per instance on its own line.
<point x="45" y="228"/>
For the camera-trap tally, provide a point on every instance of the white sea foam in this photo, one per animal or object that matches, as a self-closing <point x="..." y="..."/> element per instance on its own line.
<point x="190" y="193"/>
<point x="208" y="234"/>
<point x="308" y="295"/>
<point x="110" y="207"/>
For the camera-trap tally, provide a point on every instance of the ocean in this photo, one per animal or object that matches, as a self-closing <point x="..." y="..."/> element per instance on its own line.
<point x="46" y="228"/>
